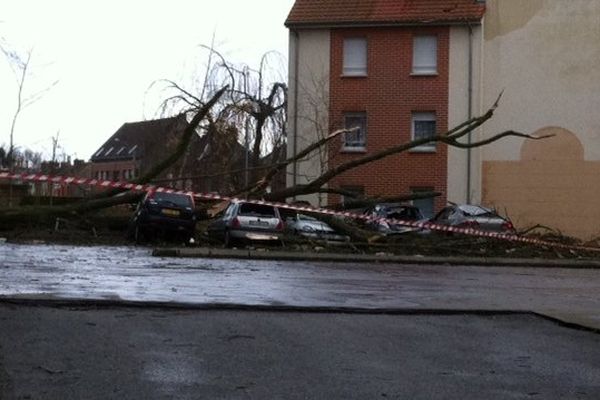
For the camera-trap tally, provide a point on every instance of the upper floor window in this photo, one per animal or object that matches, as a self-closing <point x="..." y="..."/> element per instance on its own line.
<point x="355" y="57"/>
<point x="423" y="126"/>
<point x="424" y="55"/>
<point x="357" y="139"/>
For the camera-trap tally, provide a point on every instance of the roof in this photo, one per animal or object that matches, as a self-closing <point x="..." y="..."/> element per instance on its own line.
<point x="134" y="139"/>
<point x="338" y="13"/>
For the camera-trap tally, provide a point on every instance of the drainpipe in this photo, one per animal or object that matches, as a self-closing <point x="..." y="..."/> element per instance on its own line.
<point x="469" y="110"/>
<point x="295" y="119"/>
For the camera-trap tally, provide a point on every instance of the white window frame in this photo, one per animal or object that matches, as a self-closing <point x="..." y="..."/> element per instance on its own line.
<point x="421" y="116"/>
<point x="425" y="55"/>
<point x="355" y="57"/>
<point x="351" y="145"/>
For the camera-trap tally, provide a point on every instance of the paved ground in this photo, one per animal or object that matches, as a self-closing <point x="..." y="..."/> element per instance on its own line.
<point x="114" y="352"/>
<point x="126" y="273"/>
<point x="136" y="353"/>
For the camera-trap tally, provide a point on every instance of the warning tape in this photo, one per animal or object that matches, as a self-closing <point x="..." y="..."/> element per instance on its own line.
<point x="212" y="196"/>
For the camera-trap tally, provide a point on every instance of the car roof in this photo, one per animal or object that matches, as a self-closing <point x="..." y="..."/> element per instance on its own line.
<point x="471" y="209"/>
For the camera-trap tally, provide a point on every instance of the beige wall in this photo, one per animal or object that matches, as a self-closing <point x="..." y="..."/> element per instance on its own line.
<point x="458" y="110"/>
<point x="544" y="54"/>
<point x="551" y="184"/>
<point x="309" y="53"/>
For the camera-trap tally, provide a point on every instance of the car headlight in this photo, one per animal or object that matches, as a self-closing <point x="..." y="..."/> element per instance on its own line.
<point x="307" y="228"/>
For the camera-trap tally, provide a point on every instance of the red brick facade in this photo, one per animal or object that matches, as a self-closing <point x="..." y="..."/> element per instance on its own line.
<point x="389" y="94"/>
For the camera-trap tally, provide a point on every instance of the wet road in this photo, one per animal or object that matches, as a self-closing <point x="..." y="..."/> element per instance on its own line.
<point x="131" y="274"/>
<point x="148" y="353"/>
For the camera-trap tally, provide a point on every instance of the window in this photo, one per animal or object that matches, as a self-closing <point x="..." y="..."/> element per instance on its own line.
<point x="358" y="191"/>
<point x="355" y="140"/>
<point x="355" y="57"/>
<point x="425" y="205"/>
<point x="423" y="126"/>
<point x="425" y="55"/>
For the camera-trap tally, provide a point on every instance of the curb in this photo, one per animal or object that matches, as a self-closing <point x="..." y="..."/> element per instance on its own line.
<point x="205" y="252"/>
<point x="218" y="307"/>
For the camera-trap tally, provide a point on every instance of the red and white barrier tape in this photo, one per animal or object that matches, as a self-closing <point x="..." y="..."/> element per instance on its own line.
<point x="211" y="196"/>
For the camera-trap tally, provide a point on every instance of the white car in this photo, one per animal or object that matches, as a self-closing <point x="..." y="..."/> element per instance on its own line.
<point x="245" y="222"/>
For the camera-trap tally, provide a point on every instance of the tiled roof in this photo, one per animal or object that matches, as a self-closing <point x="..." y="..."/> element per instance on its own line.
<point x="383" y="12"/>
<point x="135" y="139"/>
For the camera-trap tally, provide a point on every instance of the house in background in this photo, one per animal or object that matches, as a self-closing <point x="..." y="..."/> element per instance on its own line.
<point x="138" y="146"/>
<point x="135" y="147"/>
<point x="401" y="69"/>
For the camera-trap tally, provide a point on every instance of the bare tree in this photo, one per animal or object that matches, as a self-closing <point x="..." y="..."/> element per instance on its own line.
<point x="21" y="67"/>
<point x="255" y="107"/>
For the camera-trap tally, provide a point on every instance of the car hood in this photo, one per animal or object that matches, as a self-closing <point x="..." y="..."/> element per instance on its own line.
<point x="314" y="225"/>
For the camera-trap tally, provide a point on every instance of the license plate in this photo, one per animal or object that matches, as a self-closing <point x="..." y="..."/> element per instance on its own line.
<point x="258" y="223"/>
<point x="171" y="213"/>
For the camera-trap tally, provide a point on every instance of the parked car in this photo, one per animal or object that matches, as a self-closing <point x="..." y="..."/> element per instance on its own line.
<point x="243" y="221"/>
<point x="403" y="212"/>
<point x="312" y="228"/>
<point x="475" y="217"/>
<point x="161" y="213"/>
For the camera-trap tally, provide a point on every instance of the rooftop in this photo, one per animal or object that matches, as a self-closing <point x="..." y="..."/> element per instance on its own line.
<point x="339" y="13"/>
<point x="133" y="138"/>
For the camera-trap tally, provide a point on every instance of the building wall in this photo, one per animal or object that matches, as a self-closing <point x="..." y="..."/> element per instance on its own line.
<point x="308" y="97"/>
<point x="465" y="53"/>
<point x="111" y="167"/>
<point x="544" y="55"/>
<point x="389" y="95"/>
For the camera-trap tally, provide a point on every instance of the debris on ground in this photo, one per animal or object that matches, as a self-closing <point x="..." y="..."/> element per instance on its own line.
<point x="112" y="231"/>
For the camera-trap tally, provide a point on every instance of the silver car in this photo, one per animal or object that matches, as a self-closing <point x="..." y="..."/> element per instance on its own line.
<point x="310" y="227"/>
<point x="243" y="222"/>
<point x="397" y="211"/>
<point x="473" y="217"/>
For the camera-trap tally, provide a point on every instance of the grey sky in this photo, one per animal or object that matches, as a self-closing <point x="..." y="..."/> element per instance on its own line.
<point x="105" y="55"/>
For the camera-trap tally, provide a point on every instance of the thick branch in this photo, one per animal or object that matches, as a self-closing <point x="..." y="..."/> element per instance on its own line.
<point x="449" y="138"/>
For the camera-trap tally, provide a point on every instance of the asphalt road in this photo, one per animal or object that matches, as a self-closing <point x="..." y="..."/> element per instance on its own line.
<point x="88" y="350"/>
<point x="131" y="274"/>
<point x="137" y="353"/>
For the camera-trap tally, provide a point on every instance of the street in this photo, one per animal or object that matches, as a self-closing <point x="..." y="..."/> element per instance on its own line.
<point x="125" y="353"/>
<point x="114" y="322"/>
<point x="131" y="274"/>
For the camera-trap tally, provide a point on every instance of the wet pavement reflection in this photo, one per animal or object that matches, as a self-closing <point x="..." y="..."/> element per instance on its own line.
<point x="132" y="274"/>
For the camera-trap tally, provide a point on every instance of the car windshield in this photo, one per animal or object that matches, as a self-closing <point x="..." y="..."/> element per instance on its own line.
<point x="180" y="200"/>
<point x="403" y="213"/>
<point x="257" y="210"/>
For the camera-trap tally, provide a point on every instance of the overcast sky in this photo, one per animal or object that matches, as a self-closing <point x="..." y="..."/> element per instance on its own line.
<point x="105" y="54"/>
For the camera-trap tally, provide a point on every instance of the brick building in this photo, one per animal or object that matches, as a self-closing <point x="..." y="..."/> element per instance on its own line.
<point x="135" y="147"/>
<point x="138" y="146"/>
<point x="415" y="65"/>
<point x="382" y="66"/>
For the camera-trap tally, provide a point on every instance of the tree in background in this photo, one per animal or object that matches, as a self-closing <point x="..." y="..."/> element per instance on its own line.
<point x="21" y="67"/>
